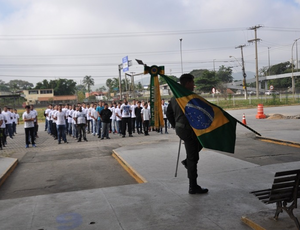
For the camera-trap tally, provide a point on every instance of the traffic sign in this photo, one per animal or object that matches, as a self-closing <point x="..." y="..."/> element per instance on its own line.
<point x="271" y="87"/>
<point x="125" y="64"/>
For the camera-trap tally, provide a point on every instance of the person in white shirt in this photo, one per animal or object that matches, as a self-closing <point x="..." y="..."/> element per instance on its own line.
<point x="54" y="128"/>
<point x="118" y="119"/>
<point x="13" y="120"/>
<point x="36" y="125"/>
<point x="164" y="111"/>
<point x="113" y="117"/>
<point x="94" y="116"/>
<point x="8" y="122"/>
<point x="70" y="120"/>
<point x="81" y="120"/>
<point x="48" y="120"/>
<point x="133" y="116"/>
<point x="145" y="118"/>
<point x="126" y="117"/>
<point x="88" y="118"/>
<point x="2" y="128"/>
<point x="28" y="118"/>
<point x="74" y="127"/>
<point x="60" y="117"/>
<point x="65" y="109"/>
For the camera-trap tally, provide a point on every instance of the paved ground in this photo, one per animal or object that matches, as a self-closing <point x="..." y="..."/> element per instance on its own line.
<point x="54" y="168"/>
<point x="163" y="202"/>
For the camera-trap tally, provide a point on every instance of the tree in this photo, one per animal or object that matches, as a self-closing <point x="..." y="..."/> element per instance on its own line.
<point x="4" y="86"/>
<point x="206" y="81"/>
<point x="139" y="86"/>
<point x="198" y="72"/>
<point x="224" y="74"/>
<point x="60" y="86"/>
<point x="80" y="88"/>
<point x="101" y="89"/>
<point x="19" y="84"/>
<point x="88" y="81"/>
<point x="281" y="68"/>
<point x="80" y="96"/>
<point x="163" y="81"/>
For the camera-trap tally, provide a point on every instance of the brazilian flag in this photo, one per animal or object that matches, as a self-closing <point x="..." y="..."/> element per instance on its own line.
<point x="214" y="127"/>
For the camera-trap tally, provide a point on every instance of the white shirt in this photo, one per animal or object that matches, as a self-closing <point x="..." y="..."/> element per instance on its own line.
<point x="164" y="109"/>
<point x="146" y="114"/>
<point x="113" y="113"/>
<point x="35" y="114"/>
<point x="80" y="117"/>
<point x="60" y="118"/>
<point x="95" y="113"/>
<point x="69" y="116"/>
<point x="14" y="117"/>
<point x="7" y="116"/>
<point x="54" y="115"/>
<point x="17" y="117"/>
<point x="3" y="123"/>
<point x="30" y="115"/>
<point x="74" y="116"/>
<point x="118" y="112"/>
<point x="47" y="114"/>
<point x="132" y="111"/>
<point x="126" y="109"/>
<point x="89" y="113"/>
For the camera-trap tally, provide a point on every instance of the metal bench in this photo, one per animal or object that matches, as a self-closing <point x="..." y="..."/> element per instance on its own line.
<point x="285" y="191"/>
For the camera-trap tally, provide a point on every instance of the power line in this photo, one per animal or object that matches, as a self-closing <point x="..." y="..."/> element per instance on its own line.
<point x="114" y="35"/>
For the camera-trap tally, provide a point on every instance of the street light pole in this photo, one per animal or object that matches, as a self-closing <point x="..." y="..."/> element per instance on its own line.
<point x="269" y="61"/>
<point x="293" y="77"/>
<point x="181" y="55"/>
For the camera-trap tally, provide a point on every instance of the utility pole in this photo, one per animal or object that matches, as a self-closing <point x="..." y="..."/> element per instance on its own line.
<point x="181" y="55"/>
<point x="256" y="56"/>
<point x="269" y="61"/>
<point x="214" y="65"/>
<point x="243" y="69"/>
<point x="292" y="60"/>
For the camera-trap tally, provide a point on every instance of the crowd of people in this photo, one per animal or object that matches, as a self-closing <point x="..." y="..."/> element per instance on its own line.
<point x="76" y="121"/>
<point x="99" y="119"/>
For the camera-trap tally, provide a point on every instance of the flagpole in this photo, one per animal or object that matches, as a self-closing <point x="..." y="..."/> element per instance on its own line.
<point x="174" y="127"/>
<point x="178" y="157"/>
<point x="248" y="127"/>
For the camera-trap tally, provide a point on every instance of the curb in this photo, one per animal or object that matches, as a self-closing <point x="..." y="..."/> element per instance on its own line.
<point x="279" y="142"/>
<point x="8" y="171"/>
<point x="128" y="168"/>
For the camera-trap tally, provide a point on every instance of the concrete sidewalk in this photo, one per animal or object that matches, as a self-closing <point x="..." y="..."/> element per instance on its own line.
<point x="163" y="201"/>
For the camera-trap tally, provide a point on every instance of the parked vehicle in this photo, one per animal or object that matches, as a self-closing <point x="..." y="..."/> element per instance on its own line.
<point x="271" y="92"/>
<point x="251" y="92"/>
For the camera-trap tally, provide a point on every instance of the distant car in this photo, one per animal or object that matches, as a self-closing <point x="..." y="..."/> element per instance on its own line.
<point x="251" y="92"/>
<point x="271" y="92"/>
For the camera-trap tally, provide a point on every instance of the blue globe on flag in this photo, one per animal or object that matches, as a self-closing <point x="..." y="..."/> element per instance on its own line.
<point x="199" y="114"/>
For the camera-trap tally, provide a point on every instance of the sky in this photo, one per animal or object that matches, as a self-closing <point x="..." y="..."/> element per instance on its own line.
<point x="42" y="39"/>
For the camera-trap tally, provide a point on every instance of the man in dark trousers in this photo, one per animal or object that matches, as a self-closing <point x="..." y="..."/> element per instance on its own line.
<point x="126" y="118"/>
<point x="139" y="124"/>
<point x="186" y="133"/>
<point x="105" y="115"/>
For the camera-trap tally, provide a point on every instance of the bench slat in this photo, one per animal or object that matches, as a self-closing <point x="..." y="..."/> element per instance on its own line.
<point x="259" y="191"/>
<point x="278" y="174"/>
<point x="283" y="185"/>
<point x="284" y="179"/>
